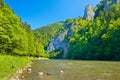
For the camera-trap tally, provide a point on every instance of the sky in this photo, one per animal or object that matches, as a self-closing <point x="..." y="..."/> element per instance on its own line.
<point x="43" y="12"/>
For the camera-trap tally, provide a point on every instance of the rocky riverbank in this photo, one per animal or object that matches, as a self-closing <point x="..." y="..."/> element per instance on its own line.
<point x="27" y="68"/>
<point x="21" y="70"/>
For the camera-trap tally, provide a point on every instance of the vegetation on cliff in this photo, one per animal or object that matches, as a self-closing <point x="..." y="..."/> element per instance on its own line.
<point x="99" y="38"/>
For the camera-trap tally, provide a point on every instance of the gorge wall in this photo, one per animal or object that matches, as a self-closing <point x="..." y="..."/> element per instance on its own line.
<point x="60" y="42"/>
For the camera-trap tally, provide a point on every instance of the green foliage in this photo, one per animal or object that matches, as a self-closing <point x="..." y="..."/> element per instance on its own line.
<point x="69" y="21"/>
<point x="16" y="37"/>
<point x="1" y="3"/>
<point x="55" y="54"/>
<point x="98" y="39"/>
<point x="10" y="64"/>
<point x="46" y="33"/>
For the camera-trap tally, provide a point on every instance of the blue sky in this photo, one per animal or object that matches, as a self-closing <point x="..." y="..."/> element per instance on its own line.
<point x="42" y="12"/>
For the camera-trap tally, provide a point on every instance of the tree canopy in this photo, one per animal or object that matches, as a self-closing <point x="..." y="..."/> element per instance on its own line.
<point x="98" y="38"/>
<point x="16" y="37"/>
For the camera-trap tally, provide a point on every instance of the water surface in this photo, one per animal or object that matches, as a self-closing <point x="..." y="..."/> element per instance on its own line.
<point x="73" y="70"/>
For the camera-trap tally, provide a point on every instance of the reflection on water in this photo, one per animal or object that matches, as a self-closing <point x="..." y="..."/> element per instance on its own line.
<point x="73" y="70"/>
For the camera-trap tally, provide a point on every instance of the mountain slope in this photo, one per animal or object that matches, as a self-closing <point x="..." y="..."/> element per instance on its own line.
<point x="99" y="39"/>
<point x="46" y="33"/>
<point x="96" y="38"/>
<point x="16" y="37"/>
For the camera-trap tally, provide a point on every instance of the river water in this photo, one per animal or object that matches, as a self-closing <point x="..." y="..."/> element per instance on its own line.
<point x="72" y="70"/>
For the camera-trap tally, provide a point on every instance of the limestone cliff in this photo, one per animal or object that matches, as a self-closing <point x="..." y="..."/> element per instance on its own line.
<point x="89" y="13"/>
<point x="59" y="42"/>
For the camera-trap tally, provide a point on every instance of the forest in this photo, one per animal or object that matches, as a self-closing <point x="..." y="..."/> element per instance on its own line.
<point x="16" y="37"/>
<point x="96" y="39"/>
<point x="91" y="39"/>
<point x="46" y="33"/>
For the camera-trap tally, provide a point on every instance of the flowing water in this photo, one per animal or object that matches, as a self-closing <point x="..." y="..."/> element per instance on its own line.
<point x="72" y="70"/>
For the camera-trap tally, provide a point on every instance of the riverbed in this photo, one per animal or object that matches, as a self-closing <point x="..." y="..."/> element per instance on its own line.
<point x="72" y="70"/>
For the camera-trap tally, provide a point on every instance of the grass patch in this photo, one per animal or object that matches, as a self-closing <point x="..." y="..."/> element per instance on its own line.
<point x="10" y="64"/>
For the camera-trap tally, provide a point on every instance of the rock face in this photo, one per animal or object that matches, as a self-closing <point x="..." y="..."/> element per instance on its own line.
<point x="59" y="42"/>
<point x="118" y="1"/>
<point x="89" y="13"/>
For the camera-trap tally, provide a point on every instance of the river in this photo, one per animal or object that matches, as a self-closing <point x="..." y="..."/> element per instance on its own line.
<point x="72" y="70"/>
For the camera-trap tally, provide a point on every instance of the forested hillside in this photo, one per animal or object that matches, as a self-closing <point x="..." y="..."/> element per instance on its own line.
<point x="16" y="37"/>
<point x="95" y="36"/>
<point x="46" y="33"/>
<point x="99" y="38"/>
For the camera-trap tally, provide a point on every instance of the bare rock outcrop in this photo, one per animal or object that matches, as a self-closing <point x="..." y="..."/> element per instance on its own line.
<point x="59" y="42"/>
<point x="88" y="13"/>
